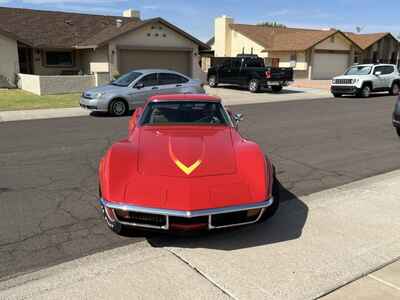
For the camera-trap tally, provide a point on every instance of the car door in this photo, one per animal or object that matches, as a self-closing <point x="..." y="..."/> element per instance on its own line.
<point x="387" y="76"/>
<point x="379" y="81"/>
<point x="170" y="83"/>
<point x="147" y="86"/>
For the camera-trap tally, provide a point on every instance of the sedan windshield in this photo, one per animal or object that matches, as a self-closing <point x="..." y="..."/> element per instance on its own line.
<point x="359" y="70"/>
<point x="184" y="113"/>
<point x="126" y="79"/>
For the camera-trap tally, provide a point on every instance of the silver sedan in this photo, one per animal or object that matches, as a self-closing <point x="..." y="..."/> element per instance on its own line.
<point x="133" y="89"/>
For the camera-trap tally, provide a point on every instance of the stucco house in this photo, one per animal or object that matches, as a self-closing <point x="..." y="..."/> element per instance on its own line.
<point x="54" y="52"/>
<point x="314" y="54"/>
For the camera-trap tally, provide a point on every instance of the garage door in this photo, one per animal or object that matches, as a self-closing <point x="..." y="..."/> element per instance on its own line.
<point x="329" y="65"/>
<point x="148" y="59"/>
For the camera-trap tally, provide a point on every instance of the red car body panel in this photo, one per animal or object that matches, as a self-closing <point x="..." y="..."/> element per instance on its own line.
<point x="184" y="167"/>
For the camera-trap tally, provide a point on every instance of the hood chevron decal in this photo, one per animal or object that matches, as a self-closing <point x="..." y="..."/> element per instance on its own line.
<point x="185" y="169"/>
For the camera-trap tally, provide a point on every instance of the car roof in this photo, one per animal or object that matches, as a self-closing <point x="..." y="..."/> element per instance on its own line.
<point x="149" y="71"/>
<point x="183" y="98"/>
<point x="372" y="65"/>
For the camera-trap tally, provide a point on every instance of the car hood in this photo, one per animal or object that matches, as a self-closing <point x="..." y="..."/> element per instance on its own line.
<point x="108" y="88"/>
<point x="345" y="77"/>
<point x="186" y="151"/>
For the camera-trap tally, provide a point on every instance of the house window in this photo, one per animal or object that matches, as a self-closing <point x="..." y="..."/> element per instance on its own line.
<point x="59" y="58"/>
<point x="332" y="39"/>
<point x="293" y="56"/>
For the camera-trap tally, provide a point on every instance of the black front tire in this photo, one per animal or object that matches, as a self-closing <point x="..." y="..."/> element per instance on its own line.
<point x="395" y="89"/>
<point x="365" y="91"/>
<point x="212" y="81"/>
<point x="271" y="210"/>
<point x="336" y="95"/>
<point x="118" y="108"/>
<point x="277" y="88"/>
<point x="254" y="85"/>
<point x="398" y="131"/>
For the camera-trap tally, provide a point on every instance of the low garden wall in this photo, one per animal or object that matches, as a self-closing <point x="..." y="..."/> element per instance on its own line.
<point x="60" y="84"/>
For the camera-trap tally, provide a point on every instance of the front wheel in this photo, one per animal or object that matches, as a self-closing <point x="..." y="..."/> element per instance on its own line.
<point x="336" y="95"/>
<point x="398" y="131"/>
<point x="212" y="81"/>
<point x="271" y="210"/>
<point x="365" y="91"/>
<point x="395" y="90"/>
<point x="277" y="88"/>
<point x="118" y="108"/>
<point x="254" y="85"/>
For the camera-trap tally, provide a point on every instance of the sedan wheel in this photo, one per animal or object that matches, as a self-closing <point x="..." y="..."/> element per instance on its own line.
<point x="398" y="131"/>
<point x="118" y="108"/>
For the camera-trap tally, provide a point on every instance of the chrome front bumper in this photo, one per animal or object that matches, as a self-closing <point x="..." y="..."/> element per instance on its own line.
<point x="186" y="213"/>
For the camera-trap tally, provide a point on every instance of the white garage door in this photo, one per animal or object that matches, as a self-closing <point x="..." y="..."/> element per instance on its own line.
<point x="148" y="59"/>
<point x="329" y="65"/>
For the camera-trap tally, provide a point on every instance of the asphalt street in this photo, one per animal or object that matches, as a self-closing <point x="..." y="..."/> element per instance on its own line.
<point x="48" y="170"/>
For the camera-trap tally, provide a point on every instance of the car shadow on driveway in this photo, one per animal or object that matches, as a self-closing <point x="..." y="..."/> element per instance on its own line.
<point x="286" y="225"/>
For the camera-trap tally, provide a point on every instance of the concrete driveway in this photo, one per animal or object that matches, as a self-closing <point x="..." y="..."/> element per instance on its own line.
<point x="233" y="95"/>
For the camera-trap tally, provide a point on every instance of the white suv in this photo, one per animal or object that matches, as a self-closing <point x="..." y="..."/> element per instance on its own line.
<point x="361" y="80"/>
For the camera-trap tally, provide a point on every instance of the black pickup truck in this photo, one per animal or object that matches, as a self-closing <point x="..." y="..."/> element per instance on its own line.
<point x="249" y="71"/>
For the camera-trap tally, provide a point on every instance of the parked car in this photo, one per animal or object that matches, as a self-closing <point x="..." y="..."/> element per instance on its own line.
<point x="249" y="71"/>
<point x="185" y="166"/>
<point x="134" y="88"/>
<point x="396" y="116"/>
<point x="362" y="80"/>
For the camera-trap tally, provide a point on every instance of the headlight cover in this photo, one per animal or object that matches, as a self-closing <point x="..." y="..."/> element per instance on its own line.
<point x="98" y="95"/>
<point x="333" y="81"/>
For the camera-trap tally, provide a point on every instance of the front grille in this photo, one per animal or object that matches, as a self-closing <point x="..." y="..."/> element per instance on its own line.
<point x="188" y="221"/>
<point x="343" y="81"/>
<point x="141" y="218"/>
<point x="344" y="89"/>
<point x="233" y="218"/>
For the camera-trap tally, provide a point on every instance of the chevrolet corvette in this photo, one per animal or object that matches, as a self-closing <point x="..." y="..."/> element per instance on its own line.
<point x="184" y="166"/>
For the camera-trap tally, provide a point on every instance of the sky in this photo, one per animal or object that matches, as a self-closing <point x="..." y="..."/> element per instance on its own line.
<point x="197" y="16"/>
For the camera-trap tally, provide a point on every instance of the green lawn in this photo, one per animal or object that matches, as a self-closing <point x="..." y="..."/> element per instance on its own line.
<point x="17" y="100"/>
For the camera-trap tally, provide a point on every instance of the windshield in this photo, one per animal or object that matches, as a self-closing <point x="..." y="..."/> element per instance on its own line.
<point x="185" y="113"/>
<point x="126" y="79"/>
<point x="359" y="70"/>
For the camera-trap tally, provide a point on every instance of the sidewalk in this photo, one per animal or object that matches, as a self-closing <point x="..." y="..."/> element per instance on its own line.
<point x="314" y="246"/>
<point x="382" y="284"/>
<point x="36" y="114"/>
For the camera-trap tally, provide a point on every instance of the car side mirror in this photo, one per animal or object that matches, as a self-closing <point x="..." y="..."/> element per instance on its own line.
<point x="237" y="119"/>
<point x="379" y="73"/>
<point x="139" y="85"/>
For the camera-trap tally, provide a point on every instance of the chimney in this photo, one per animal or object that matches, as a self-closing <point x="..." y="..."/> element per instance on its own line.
<point x="118" y="22"/>
<point x="223" y="36"/>
<point x="130" y="13"/>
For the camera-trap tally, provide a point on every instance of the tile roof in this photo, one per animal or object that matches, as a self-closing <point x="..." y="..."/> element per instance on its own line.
<point x="283" y="39"/>
<point x="366" y="40"/>
<point x="298" y="39"/>
<point x="54" y="29"/>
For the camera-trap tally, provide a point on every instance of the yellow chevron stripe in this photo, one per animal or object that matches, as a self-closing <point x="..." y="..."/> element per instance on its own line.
<point x="185" y="169"/>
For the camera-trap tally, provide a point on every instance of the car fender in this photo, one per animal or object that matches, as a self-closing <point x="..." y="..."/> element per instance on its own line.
<point x="255" y="169"/>
<point x="115" y="172"/>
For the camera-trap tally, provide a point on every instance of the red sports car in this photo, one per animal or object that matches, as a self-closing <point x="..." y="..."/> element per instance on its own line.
<point x="184" y="166"/>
